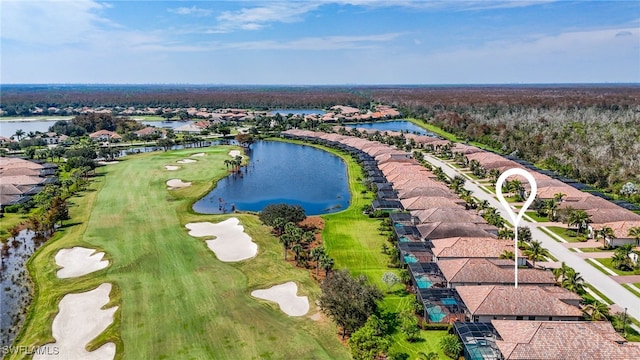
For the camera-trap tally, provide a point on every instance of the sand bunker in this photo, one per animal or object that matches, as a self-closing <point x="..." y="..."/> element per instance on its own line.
<point x="198" y="154"/>
<point x="177" y="183"/>
<point x="234" y="153"/>
<point x="171" y="167"/>
<point x="79" y="261"/>
<point x="79" y="321"/>
<point x="108" y="162"/>
<point x="185" y="161"/>
<point x="231" y="242"/>
<point x="285" y="295"/>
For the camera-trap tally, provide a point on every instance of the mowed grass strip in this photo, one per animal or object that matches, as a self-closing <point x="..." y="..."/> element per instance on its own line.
<point x="176" y="299"/>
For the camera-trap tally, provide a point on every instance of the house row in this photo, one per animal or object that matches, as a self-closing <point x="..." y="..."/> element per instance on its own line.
<point x="602" y="213"/>
<point x="454" y="261"/>
<point x="21" y="179"/>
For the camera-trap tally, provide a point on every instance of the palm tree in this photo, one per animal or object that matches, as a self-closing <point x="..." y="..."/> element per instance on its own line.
<point x="634" y="233"/>
<point x="549" y="207"/>
<point x="297" y="249"/>
<point x="573" y="281"/>
<point x="561" y="272"/>
<point x="316" y="254"/>
<point x="606" y="233"/>
<point x="286" y="240"/>
<point x="580" y="218"/>
<point x="621" y="259"/>
<point x="326" y="263"/>
<point x="536" y="252"/>
<point x="558" y="197"/>
<point x="596" y="311"/>
<point x="19" y="134"/>
<point x="508" y="255"/>
<point x="505" y="233"/>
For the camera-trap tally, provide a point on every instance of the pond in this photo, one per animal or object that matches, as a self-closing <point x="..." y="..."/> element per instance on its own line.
<point x="16" y="288"/>
<point x="8" y="128"/>
<point x="396" y="125"/>
<point x="281" y="172"/>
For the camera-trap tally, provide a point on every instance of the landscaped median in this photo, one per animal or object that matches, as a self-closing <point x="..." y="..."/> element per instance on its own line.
<point x="175" y="299"/>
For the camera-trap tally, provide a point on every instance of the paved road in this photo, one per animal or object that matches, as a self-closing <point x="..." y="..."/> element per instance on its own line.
<point x="614" y="291"/>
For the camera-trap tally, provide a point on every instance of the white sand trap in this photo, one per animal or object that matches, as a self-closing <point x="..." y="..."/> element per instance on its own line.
<point x="185" y="161"/>
<point x="234" y="153"/>
<point x="285" y="295"/>
<point x="231" y="242"/>
<point x="177" y="183"/>
<point x="108" y="162"/>
<point x="171" y="167"/>
<point x="198" y="154"/>
<point x="79" y="261"/>
<point x="79" y="321"/>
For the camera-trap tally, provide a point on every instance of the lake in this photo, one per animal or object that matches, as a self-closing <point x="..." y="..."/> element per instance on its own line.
<point x="282" y="173"/>
<point x="8" y="128"/>
<point x="396" y="125"/>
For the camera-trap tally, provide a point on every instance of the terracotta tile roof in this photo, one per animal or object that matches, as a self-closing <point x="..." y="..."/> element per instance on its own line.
<point x="426" y="202"/>
<point x="408" y="184"/>
<point x="21" y="180"/>
<point x="548" y="192"/>
<point x="437" y="189"/>
<point x="601" y="216"/>
<point x="10" y="162"/>
<point x="16" y="171"/>
<point x="586" y="203"/>
<point x="481" y="270"/>
<point x="426" y="176"/>
<point x="551" y="340"/>
<point x="447" y="215"/>
<point x="620" y="228"/>
<point x="470" y="247"/>
<point x="10" y="189"/>
<point x="527" y="300"/>
<point x="108" y="133"/>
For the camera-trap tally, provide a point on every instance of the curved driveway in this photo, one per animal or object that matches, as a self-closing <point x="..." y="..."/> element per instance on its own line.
<point x="614" y="291"/>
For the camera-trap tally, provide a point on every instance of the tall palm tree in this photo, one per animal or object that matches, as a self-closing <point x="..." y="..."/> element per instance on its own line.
<point x="558" y="197"/>
<point x="19" y="134"/>
<point x="573" y="281"/>
<point x="326" y="263"/>
<point x="561" y="272"/>
<point x="297" y="249"/>
<point x="580" y="218"/>
<point x="634" y="233"/>
<point x="596" y="311"/>
<point x="536" y="252"/>
<point x="286" y="240"/>
<point x="316" y="254"/>
<point x="606" y="233"/>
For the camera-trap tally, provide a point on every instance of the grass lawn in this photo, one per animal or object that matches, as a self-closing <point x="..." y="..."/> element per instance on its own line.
<point x="633" y="290"/>
<point x="8" y="221"/>
<point x="567" y="235"/>
<point x="176" y="300"/>
<point x="609" y="265"/>
<point x="353" y="241"/>
<point x="534" y="216"/>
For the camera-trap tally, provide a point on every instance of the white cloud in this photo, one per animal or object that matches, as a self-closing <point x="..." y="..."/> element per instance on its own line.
<point x="51" y="22"/>
<point x="194" y="10"/>
<point x="258" y="17"/>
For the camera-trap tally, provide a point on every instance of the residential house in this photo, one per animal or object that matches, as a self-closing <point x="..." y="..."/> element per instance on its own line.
<point x="551" y="340"/>
<point x="620" y="232"/>
<point x="489" y="302"/>
<point x="483" y="271"/>
<point x="447" y="230"/>
<point x="105" y="135"/>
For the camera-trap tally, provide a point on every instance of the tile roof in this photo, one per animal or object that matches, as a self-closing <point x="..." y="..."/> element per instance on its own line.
<point x="551" y="340"/>
<point x="480" y="270"/>
<point x="447" y="215"/>
<point x="620" y="228"/>
<point x="601" y="216"/>
<point x="429" y="202"/>
<point x="470" y="247"/>
<point x="527" y="300"/>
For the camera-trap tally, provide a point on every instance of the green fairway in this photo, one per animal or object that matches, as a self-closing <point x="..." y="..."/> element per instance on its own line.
<point x="176" y="300"/>
<point x="353" y="240"/>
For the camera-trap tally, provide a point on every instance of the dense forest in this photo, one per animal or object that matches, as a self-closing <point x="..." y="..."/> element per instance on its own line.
<point x="588" y="133"/>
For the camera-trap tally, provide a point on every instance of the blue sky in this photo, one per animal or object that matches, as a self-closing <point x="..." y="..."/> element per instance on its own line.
<point x="319" y="42"/>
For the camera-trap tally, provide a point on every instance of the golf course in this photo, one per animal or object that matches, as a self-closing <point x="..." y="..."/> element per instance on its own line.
<point x="175" y="299"/>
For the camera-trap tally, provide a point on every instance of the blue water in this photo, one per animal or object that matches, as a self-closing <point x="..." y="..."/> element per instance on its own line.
<point x="8" y="128"/>
<point x="410" y="258"/>
<point x="168" y="124"/>
<point x="423" y="282"/>
<point x="449" y="301"/>
<point x="285" y="112"/>
<point x="404" y="239"/>
<point x="283" y="173"/>
<point x="399" y="125"/>
<point x="435" y="313"/>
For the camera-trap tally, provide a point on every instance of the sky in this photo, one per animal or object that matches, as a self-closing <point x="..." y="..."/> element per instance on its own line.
<point x="319" y="42"/>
